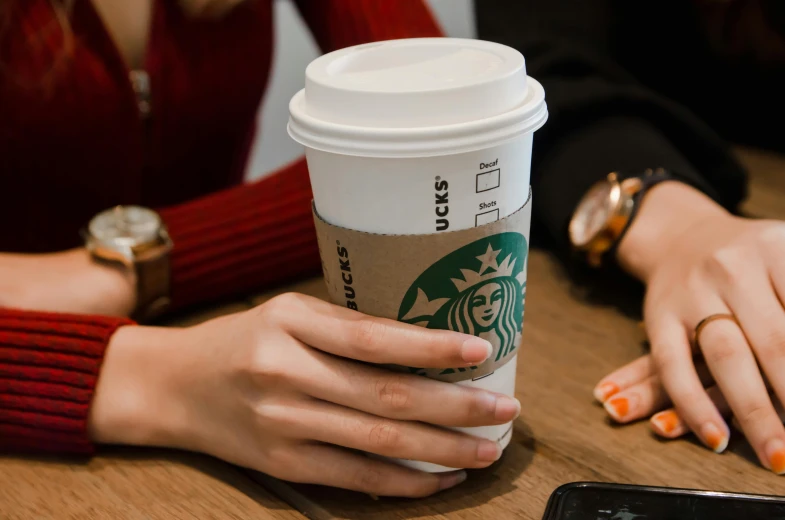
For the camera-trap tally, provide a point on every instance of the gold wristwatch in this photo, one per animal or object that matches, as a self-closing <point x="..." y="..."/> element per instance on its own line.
<point x="135" y="239"/>
<point x="606" y="211"/>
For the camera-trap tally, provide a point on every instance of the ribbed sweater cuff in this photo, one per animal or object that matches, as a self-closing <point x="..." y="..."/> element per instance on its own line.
<point x="49" y="365"/>
<point x="244" y="238"/>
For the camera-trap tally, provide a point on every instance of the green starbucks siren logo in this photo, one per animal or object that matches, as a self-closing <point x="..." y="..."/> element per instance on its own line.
<point x="478" y="289"/>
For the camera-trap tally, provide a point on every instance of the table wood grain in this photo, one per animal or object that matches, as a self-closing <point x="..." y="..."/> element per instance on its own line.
<point x="578" y="328"/>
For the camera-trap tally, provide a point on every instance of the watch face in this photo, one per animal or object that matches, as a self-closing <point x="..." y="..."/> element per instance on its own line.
<point x="125" y="226"/>
<point x="592" y="214"/>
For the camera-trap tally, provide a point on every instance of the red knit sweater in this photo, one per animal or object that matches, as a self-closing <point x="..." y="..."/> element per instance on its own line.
<point x="72" y="143"/>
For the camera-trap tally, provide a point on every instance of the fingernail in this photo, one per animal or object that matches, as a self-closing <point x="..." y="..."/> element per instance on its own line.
<point x="666" y="422"/>
<point x="476" y="350"/>
<point x="448" y="480"/>
<point x="507" y="408"/>
<point x="775" y="452"/>
<point x="489" y="451"/>
<point x="503" y="408"/>
<point x="618" y="407"/>
<point x="714" y="437"/>
<point x="604" y="390"/>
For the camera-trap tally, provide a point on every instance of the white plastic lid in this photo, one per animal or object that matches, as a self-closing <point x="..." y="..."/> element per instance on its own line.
<point x="416" y="97"/>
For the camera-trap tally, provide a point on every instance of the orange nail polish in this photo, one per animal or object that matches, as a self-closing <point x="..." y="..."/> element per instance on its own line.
<point x="666" y="421"/>
<point x="778" y="462"/>
<point x="714" y="437"/>
<point x="605" y="390"/>
<point x="618" y="407"/>
<point x="775" y="451"/>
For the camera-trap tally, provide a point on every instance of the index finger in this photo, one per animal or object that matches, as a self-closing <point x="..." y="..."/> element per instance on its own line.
<point x="351" y="334"/>
<point x="622" y="378"/>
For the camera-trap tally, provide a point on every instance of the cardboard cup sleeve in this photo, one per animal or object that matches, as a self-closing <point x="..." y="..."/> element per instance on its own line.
<point x="471" y="281"/>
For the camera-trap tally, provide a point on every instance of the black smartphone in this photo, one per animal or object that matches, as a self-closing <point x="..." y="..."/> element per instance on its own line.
<point x="595" y="501"/>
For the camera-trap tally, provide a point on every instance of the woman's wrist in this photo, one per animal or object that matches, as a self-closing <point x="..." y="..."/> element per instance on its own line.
<point x="134" y="402"/>
<point x="106" y="289"/>
<point x="67" y="281"/>
<point x="667" y="212"/>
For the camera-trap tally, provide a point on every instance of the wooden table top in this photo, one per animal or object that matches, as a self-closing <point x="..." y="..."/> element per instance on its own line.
<point x="574" y="334"/>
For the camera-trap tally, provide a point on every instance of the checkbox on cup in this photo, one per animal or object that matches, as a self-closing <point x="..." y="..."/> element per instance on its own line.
<point x="486" y="218"/>
<point x="488" y="181"/>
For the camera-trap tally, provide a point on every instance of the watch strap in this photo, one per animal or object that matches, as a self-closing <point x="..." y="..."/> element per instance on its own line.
<point x="153" y="282"/>
<point x="146" y="263"/>
<point x="648" y="179"/>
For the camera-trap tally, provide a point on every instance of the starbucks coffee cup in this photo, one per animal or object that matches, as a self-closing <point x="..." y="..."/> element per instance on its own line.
<point x="419" y="153"/>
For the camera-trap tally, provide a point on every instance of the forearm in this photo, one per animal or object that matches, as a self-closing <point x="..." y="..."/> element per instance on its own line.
<point x="577" y="159"/>
<point x="244" y="238"/>
<point x="227" y="243"/>
<point x="601" y="119"/>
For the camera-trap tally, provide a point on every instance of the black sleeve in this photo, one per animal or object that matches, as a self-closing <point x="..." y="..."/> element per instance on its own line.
<point x="601" y="120"/>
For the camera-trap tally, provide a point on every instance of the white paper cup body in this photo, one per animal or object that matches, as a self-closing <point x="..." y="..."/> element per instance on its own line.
<point x="407" y="195"/>
<point x="398" y="196"/>
<point x="425" y="178"/>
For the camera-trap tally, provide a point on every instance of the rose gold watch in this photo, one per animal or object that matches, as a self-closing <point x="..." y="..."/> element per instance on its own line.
<point x="135" y="239"/>
<point x="606" y="212"/>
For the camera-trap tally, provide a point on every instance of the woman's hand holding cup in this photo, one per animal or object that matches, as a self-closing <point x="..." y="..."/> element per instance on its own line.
<point x="290" y="388"/>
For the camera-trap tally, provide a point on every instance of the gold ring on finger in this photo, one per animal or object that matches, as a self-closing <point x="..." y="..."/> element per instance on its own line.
<point x="708" y="319"/>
